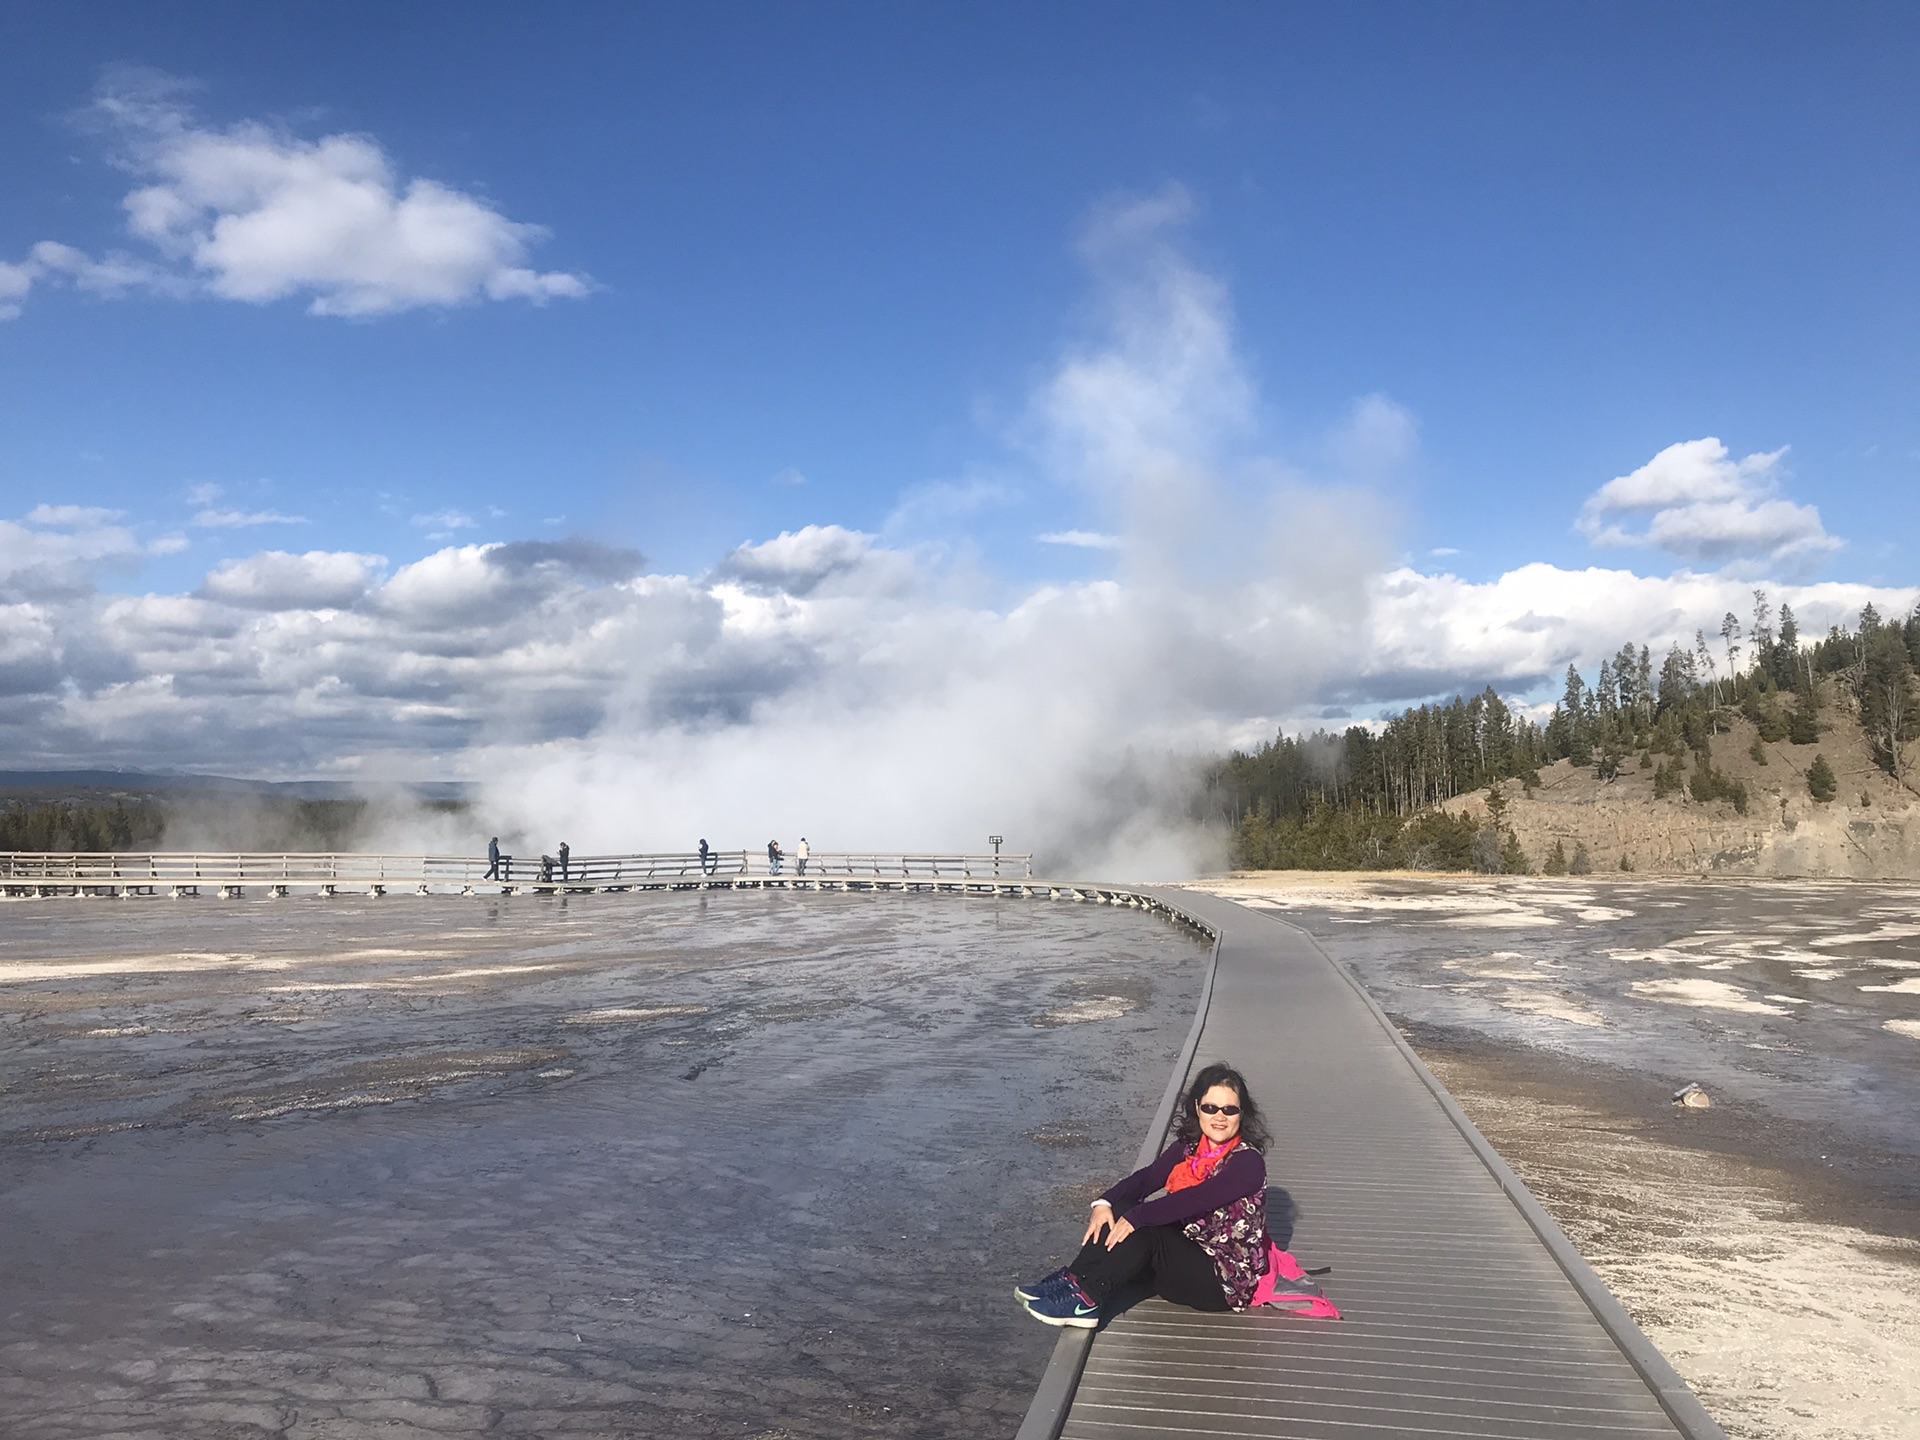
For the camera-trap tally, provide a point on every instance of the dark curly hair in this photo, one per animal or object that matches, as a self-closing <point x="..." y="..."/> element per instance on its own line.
<point x="1253" y="1129"/>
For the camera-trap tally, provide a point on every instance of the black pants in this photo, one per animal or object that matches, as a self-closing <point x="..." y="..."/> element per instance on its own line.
<point x="1173" y="1266"/>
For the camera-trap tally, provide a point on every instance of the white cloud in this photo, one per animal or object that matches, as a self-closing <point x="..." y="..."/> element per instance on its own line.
<point x="1081" y="539"/>
<point x="16" y="281"/>
<point x="255" y="214"/>
<point x="799" y="563"/>
<point x="1435" y="633"/>
<point x="789" y="476"/>
<point x="1376" y="438"/>
<point x="113" y="276"/>
<point x="244" y="519"/>
<point x="51" y="261"/>
<point x="1702" y="506"/>
<point x="68" y="517"/>
<point x="278" y="580"/>
<point x="60" y="549"/>
<point x="444" y="522"/>
<point x="934" y="506"/>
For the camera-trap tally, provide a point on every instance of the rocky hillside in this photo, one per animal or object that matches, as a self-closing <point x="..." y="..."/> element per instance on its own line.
<point x="1869" y="830"/>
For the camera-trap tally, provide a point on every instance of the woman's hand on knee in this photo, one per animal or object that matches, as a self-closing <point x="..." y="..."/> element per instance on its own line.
<point x="1102" y="1215"/>
<point x="1121" y="1229"/>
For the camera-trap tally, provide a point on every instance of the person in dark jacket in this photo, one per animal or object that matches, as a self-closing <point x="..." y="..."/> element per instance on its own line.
<point x="1202" y="1243"/>
<point x="493" y="858"/>
<point x="565" y="853"/>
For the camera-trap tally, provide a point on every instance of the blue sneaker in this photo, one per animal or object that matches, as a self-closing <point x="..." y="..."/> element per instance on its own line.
<point x="1066" y="1305"/>
<point x="1027" y="1294"/>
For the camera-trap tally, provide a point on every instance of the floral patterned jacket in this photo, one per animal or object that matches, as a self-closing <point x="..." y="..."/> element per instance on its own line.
<point x="1235" y="1239"/>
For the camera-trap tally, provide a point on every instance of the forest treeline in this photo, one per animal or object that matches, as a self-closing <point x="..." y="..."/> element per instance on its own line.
<point x="71" y="826"/>
<point x="1365" y="799"/>
<point x="148" y="822"/>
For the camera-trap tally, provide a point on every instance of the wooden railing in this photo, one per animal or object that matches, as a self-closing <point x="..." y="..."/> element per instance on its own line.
<point x="45" y="869"/>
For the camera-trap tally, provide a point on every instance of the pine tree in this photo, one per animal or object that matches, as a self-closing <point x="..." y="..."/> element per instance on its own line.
<point x="1664" y="780"/>
<point x="1886" y="690"/>
<point x="1513" y="857"/>
<point x="1556" y="736"/>
<point x="1762" y="632"/>
<point x="1820" y="781"/>
<point x="1675" y="690"/>
<point x="1575" y="705"/>
<point x="1803" y="726"/>
<point x="1606" y="765"/>
<point x="1556" y="860"/>
<point x="1582" y="862"/>
<point x="1486" y="851"/>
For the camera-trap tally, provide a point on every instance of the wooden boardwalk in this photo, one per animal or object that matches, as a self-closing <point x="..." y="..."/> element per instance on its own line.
<point x="1467" y="1311"/>
<point x="183" y="873"/>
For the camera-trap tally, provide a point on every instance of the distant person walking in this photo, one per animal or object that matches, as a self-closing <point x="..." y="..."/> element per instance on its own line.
<point x="493" y="858"/>
<point x="564" y="853"/>
<point x="773" y="857"/>
<point x="800" y="853"/>
<point x="706" y="857"/>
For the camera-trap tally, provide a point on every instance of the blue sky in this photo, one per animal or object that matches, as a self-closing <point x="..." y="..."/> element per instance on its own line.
<point x="832" y="239"/>
<point x="823" y="266"/>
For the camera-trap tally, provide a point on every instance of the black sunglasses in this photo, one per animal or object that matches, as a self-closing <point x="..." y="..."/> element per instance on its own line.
<point x="1206" y="1109"/>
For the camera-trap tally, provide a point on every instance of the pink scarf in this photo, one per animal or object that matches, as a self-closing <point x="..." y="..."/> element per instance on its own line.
<point x="1198" y="1166"/>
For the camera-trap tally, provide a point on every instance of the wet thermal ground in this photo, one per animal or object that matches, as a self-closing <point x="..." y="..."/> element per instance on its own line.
<point x="1799" y="998"/>
<point x="754" y="1165"/>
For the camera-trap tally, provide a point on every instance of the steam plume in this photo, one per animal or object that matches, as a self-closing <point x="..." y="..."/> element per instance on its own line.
<point x="1071" y="720"/>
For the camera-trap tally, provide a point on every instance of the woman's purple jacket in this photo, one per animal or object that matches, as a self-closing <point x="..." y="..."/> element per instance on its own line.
<point x="1225" y="1214"/>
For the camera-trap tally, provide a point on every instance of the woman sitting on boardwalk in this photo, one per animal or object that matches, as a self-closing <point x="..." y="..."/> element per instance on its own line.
<point x="1202" y="1244"/>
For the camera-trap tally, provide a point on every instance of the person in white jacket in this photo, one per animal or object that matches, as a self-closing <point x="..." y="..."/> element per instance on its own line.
<point x="801" y="852"/>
